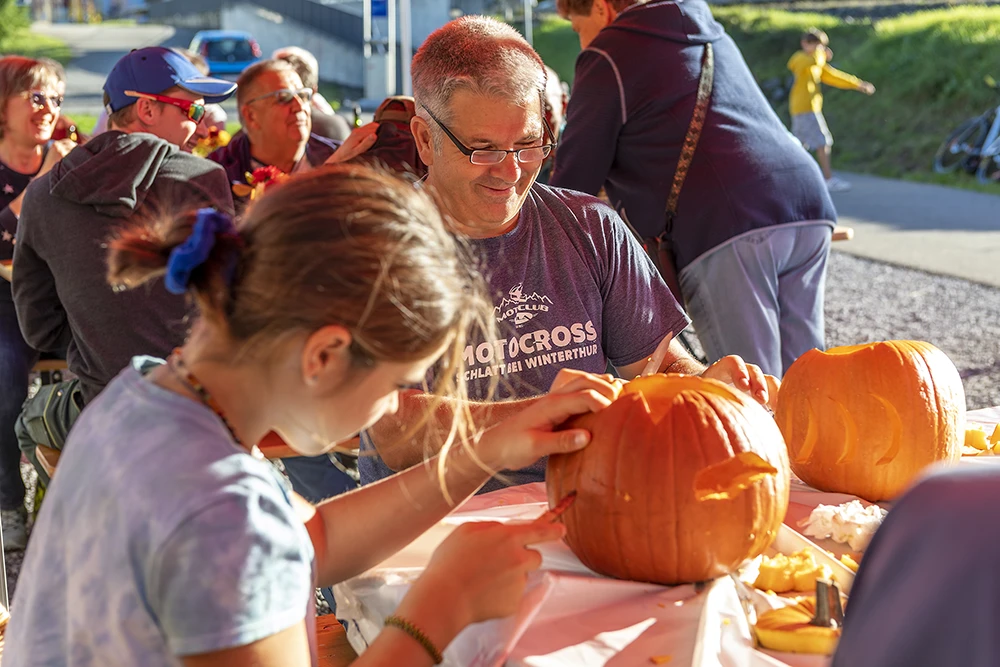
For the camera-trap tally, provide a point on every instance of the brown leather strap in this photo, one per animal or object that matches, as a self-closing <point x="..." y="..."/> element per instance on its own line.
<point x="693" y="135"/>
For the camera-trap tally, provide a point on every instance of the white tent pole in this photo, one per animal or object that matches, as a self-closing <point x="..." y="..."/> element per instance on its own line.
<point x="390" y="56"/>
<point x="528" y="22"/>
<point x="406" y="44"/>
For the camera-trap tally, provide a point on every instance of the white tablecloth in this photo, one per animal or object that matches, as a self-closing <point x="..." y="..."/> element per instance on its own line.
<point x="571" y="616"/>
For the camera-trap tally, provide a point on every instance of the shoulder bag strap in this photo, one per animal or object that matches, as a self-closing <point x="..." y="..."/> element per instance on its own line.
<point x="693" y="134"/>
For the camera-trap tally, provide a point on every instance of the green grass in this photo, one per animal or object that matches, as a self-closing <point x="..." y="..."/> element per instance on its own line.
<point x="558" y="46"/>
<point x="29" y="44"/>
<point x="84" y="122"/>
<point x="928" y="67"/>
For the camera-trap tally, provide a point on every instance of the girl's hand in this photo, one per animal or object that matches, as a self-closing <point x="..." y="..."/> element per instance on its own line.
<point x="356" y="143"/>
<point x="522" y="439"/>
<point x="745" y="377"/>
<point x="479" y="572"/>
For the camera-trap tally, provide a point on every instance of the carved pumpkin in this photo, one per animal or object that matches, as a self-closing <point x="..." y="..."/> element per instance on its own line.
<point x="683" y="480"/>
<point x="866" y="419"/>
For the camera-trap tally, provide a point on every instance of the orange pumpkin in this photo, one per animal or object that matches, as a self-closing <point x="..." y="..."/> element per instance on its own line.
<point x="866" y="419"/>
<point x="683" y="480"/>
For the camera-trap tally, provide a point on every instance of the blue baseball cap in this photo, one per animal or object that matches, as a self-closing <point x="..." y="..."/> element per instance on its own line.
<point x="155" y="69"/>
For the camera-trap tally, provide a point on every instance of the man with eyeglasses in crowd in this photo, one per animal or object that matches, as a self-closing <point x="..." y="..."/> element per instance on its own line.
<point x="276" y="114"/>
<point x="572" y="288"/>
<point x="141" y="167"/>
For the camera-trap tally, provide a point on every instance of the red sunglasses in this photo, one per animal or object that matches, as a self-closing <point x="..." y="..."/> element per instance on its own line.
<point x="193" y="110"/>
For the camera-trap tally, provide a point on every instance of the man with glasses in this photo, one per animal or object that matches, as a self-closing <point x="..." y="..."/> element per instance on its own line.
<point x="572" y="288"/>
<point x="276" y="114"/>
<point x="143" y="167"/>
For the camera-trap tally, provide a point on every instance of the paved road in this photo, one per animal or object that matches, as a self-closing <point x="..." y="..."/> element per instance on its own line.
<point x="96" y="49"/>
<point x="929" y="227"/>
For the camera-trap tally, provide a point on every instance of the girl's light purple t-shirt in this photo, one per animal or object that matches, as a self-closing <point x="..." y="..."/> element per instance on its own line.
<point x="159" y="537"/>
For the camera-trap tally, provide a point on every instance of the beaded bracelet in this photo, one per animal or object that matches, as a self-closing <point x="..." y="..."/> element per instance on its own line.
<point x="415" y="632"/>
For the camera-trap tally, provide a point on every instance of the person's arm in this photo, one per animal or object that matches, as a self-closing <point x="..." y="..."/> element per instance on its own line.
<point x="594" y="118"/>
<point x="732" y="370"/>
<point x="479" y="572"/>
<point x="402" y="445"/>
<point x="832" y="76"/>
<point x="359" y="141"/>
<point x="8" y="229"/>
<point x="398" y="509"/>
<point x="13" y="210"/>
<point x="57" y="151"/>
<point x="677" y="360"/>
<point x="40" y="312"/>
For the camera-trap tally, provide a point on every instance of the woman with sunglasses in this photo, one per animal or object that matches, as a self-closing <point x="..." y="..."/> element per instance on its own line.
<point x="177" y="546"/>
<point x="30" y="100"/>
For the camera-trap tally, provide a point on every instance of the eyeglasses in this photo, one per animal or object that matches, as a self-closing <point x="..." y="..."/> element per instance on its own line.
<point x="193" y="110"/>
<point x="40" y="99"/>
<point x="483" y="156"/>
<point x="286" y="95"/>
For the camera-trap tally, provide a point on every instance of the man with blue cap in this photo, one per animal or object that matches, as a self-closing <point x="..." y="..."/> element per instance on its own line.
<point x="142" y="166"/>
<point x="159" y="91"/>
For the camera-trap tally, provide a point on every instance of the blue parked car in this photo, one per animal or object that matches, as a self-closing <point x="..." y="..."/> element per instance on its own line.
<point x="227" y="51"/>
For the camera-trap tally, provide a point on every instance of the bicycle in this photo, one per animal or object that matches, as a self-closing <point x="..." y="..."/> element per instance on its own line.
<point x="975" y="145"/>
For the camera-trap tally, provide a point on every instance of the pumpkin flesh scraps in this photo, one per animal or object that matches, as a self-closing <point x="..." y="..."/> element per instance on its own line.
<point x="728" y="479"/>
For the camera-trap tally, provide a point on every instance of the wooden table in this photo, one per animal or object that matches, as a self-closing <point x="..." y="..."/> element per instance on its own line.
<point x="331" y="640"/>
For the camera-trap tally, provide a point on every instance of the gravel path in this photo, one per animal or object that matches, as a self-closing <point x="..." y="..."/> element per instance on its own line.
<point x="868" y="301"/>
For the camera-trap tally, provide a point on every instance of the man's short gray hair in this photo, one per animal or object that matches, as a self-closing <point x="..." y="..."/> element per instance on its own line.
<point x="245" y="83"/>
<point x="480" y="55"/>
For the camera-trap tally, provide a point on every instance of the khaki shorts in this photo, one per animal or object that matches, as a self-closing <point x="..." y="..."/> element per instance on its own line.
<point x="810" y="128"/>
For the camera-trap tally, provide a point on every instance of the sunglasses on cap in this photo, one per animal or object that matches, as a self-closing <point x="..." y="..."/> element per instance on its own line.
<point x="40" y="99"/>
<point x="286" y="95"/>
<point x="193" y="110"/>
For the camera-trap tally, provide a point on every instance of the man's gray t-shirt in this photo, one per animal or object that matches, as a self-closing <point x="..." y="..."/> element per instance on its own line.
<point x="159" y="537"/>
<point x="571" y="288"/>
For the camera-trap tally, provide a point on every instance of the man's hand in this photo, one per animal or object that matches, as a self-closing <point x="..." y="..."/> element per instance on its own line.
<point x="866" y="88"/>
<point x="356" y="143"/>
<point x="745" y="377"/>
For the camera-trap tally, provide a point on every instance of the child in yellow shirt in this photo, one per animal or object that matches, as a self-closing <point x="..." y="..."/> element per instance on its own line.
<point x="810" y="66"/>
